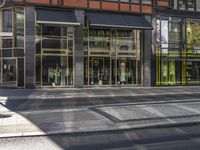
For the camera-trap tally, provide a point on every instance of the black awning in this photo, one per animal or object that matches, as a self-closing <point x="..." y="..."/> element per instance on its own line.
<point x="118" y="21"/>
<point x="56" y="17"/>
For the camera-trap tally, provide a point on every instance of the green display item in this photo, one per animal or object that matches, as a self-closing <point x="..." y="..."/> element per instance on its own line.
<point x="54" y="73"/>
<point x="172" y="73"/>
<point x="164" y="72"/>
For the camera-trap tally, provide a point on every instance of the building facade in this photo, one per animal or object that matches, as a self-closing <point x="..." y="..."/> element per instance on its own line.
<point x="88" y="43"/>
<point x="176" y="50"/>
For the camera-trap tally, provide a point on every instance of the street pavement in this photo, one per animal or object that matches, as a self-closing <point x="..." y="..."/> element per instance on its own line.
<point x="176" y="138"/>
<point x="99" y="110"/>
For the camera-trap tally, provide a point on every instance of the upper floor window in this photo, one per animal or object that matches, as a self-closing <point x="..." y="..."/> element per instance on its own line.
<point x="182" y="4"/>
<point x="187" y="4"/>
<point x="135" y="1"/>
<point x="146" y="1"/>
<point x="112" y="0"/>
<point x="190" y="4"/>
<point x="127" y="1"/>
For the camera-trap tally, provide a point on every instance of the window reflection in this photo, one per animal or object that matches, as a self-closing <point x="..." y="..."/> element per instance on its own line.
<point x="182" y="4"/>
<point x="178" y="62"/>
<point x="19" y="39"/>
<point x="7" y="20"/>
<point x="54" y="55"/>
<point x="113" y="57"/>
<point x="198" y="5"/>
<point x="190" y="4"/>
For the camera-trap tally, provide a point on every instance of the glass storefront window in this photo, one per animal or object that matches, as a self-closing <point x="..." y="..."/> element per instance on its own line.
<point x="170" y="51"/>
<point x="99" y="39"/>
<point x="126" y="68"/>
<point x="193" y="34"/>
<point x="98" y="71"/>
<point x="13" y="47"/>
<point x="7" y="43"/>
<point x="54" y="70"/>
<point x="113" y="57"/>
<point x="193" y="72"/>
<point x="171" y="71"/>
<point x="7" y="20"/>
<point x="178" y="64"/>
<point x="198" y="5"/>
<point x="19" y="39"/>
<point x="175" y="30"/>
<point x="38" y="39"/>
<point x="20" y="20"/>
<point x="193" y="52"/>
<point x="54" y="55"/>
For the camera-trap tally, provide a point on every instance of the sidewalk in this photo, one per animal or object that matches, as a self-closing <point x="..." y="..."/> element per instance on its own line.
<point x="59" y="93"/>
<point x="98" y="118"/>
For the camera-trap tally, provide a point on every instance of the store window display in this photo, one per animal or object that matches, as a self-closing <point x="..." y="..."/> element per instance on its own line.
<point x="126" y="70"/>
<point x="55" y="71"/>
<point x="54" y="55"/>
<point x="169" y="49"/>
<point x="112" y="57"/>
<point x="193" y="52"/>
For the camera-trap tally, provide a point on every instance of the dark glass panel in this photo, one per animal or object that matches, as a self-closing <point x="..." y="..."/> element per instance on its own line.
<point x="7" y="20"/>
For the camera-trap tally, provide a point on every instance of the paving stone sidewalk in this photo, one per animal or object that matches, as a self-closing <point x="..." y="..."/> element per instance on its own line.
<point x="96" y="119"/>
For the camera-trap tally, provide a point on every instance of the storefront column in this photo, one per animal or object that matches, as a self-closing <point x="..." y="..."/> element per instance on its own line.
<point x="147" y="55"/>
<point x="79" y="59"/>
<point x="29" y="46"/>
<point x="153" y="55"/>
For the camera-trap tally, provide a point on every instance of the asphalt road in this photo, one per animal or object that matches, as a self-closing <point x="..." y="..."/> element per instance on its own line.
<point x="70" y="103"/>
<point x="182" y="138"/>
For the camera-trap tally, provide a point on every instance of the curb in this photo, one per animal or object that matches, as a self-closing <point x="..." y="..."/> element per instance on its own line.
<point x="112" y="129"/>
<point x="4" y="98"/>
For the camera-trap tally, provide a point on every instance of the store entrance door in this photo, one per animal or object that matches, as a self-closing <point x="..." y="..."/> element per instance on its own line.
<point x="126" y="71"/>
<point x="9" y="78"/>
<point x="96" y="71"/>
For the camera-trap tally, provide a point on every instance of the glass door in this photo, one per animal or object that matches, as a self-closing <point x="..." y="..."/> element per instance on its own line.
<point x="99" y="72"/>
<point x="126" y="71"/>
<point x="126" y="64"/>
<point x="9" y="78"/>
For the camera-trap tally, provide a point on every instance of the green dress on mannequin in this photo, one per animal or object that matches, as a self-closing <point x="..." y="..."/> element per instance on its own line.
<point x="172" y="74"/>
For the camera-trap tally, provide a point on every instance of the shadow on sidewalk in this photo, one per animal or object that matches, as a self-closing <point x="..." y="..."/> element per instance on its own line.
<point x="96" y="140"/>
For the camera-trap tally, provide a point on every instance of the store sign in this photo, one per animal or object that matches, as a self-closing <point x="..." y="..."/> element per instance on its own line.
<point x="2" y="3"/>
